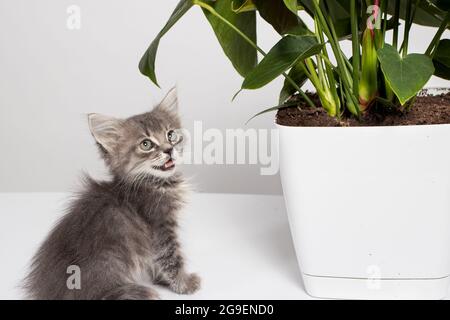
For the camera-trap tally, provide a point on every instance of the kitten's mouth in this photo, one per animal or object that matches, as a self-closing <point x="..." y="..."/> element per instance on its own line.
<point x="169" y="165"/>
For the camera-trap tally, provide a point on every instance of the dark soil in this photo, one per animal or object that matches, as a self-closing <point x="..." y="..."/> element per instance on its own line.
<point x="427" y="109"/>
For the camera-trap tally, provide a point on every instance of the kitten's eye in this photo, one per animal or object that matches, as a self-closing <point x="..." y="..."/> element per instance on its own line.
<point x="146" y="145"/>
<point x="172" y="136"/>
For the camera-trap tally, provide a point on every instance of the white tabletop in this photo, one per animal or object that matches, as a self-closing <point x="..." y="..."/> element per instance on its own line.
<point x="239" y="244"/>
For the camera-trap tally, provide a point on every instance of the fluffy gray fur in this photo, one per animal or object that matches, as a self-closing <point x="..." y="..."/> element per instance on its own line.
<point x="122" y="233"/>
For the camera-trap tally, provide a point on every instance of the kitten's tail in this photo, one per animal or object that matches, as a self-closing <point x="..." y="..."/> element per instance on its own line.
<point x="131" y="291"/>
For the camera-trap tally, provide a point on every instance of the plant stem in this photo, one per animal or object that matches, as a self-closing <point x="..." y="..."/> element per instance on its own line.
<point x="334" y="41"/>
<point x="340" y="54"/>
<point x="437" y="37"/>
<point x="384" y="16"/>
<point x="347" y="62"/>
<point x="396" y="23"/>
<point x="328" y="76"/>
<point x="300" y="91"/>
<point x="386" y="102"/>
<point x="327" y="61"/>
<point x="312" y="72"/>
<point x="320" y="67"/>
<point x="408" y="23"/>
<point x="355" y="44"/>
<point x="211" y="10"/>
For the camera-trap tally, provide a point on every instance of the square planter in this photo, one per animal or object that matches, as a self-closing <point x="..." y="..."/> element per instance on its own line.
<point x="369" y="209"/>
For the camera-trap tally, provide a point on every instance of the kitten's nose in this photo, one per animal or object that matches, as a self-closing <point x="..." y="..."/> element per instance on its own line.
<point x="168" y="151"/>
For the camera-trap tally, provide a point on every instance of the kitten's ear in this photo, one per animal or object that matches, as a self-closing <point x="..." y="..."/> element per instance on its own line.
<point x="170" y="101"/>
<point x="105" y="129"/>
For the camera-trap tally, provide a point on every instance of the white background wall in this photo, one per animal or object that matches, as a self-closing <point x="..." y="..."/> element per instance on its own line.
<point x="50" y="77"/>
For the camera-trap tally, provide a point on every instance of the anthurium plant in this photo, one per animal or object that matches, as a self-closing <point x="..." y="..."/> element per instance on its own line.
<point x="380" y="71"/>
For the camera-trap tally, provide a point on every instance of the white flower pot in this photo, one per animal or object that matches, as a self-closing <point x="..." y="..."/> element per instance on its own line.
<point x="369" y="209"/>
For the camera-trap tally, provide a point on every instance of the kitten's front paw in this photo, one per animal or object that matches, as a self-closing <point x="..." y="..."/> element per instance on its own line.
<point x="193" y="283"/>
<point x="188" y="284"/>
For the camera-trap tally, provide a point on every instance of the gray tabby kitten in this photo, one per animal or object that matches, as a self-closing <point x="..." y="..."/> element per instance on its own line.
<point x="122" y="234"/>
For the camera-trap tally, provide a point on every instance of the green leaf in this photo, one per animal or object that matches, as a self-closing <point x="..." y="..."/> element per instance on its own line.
<point x="147" y="63"/>
<point x="444" y="5"/>
<point x="442" y="53"/>
<point x="280" y="58"/>
<point x="299" y="30"/>
<point x="442" y="59"/>
<point x="338" y="9"/>
<point x="436" y="7"/>
<point x="279" y="16"/>
<point x="243" y="6"/>
<point x="339" y="12"/>
<point x="241" y="54"/>
<point x="406" y="76"/>
<point x="442" y="71"/>
<point x="291" y="5"/>
<point x="429" y="13"/>
<point x="297" y="73"/>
